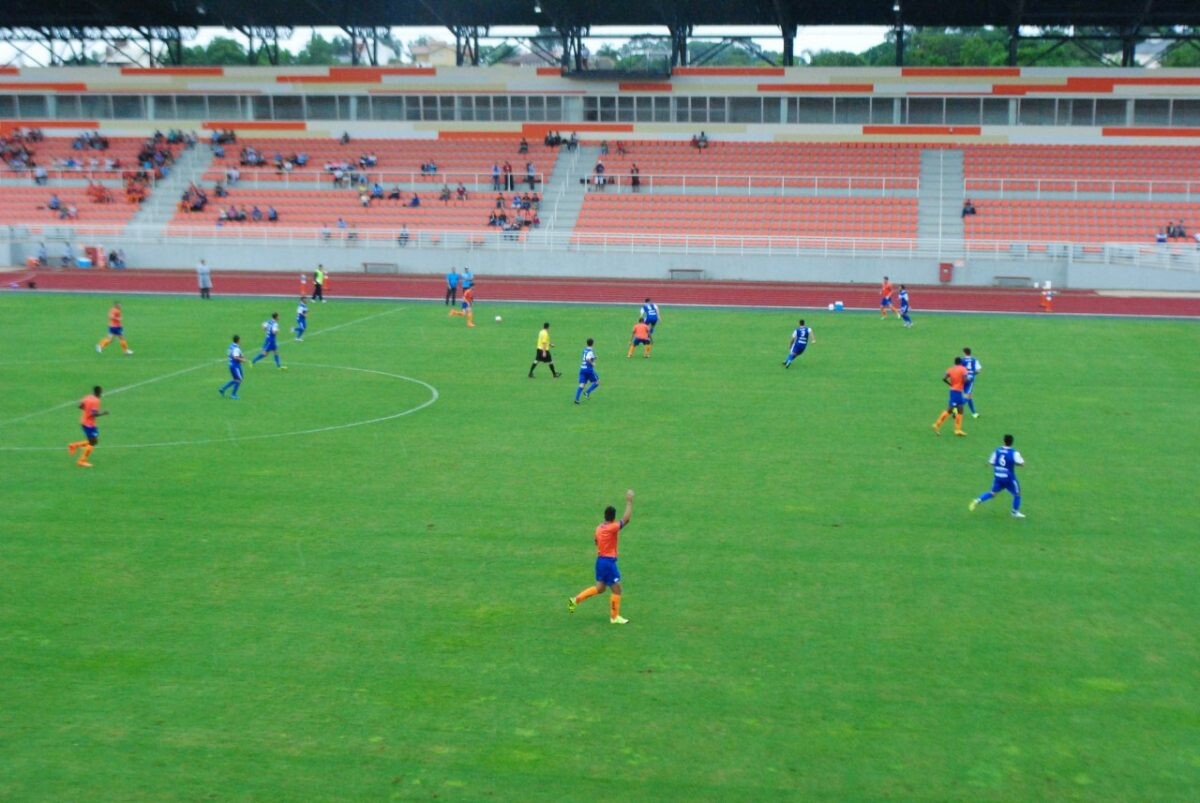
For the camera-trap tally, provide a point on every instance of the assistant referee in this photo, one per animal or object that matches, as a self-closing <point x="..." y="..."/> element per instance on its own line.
<point x="543" y="352"/>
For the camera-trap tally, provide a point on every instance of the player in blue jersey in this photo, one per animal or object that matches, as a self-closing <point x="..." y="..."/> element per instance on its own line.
<point x="973" y="367"/>
<point x="650" y="314"/>
<point x="587" y="372"/>
<point x="301" y="320"/>
<point x="801" y="336"/>
<point x="236" y="359"/>
<point x="1004" y="462"/>
<point x="904" y="307"/>
<point x="270" y="344"/>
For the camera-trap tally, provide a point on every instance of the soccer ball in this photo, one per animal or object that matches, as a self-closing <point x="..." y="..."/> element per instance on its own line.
<point x="498" y="319"/>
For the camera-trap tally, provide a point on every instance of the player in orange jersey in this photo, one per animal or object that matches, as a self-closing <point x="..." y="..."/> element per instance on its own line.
<point x="115" y="329"/>
<point x="956" y="378"/>
<point x="607" y="574"/>
<point x="467" y="299"/>
<point x="91" y="411"/>
<point x="641" y="337"/>
<point x="885" y="299"/>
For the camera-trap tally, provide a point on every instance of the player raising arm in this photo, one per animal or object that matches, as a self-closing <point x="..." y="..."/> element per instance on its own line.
<point x="607" y="573"/>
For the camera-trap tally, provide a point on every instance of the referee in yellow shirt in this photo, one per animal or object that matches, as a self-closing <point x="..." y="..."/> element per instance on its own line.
<point x="543" y="352"/>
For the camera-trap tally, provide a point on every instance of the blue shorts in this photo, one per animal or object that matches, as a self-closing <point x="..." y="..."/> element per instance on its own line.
<point x="1011" y="485"/>
<point x="91" y="432"/>
<point x="886" y="301"/>
<point x="465" y="306"/>
<point x="587" y="375"/>
<point x="116" y="330"/>
<point x="651" y="321"/>
<point x="607" y="571"/>
<point x="269" y="345"/>
<point x="956" y="398"/>
<point x="798" y="350"/>
<point x="302" y="324"/>
<point x="967" y="388"/>
<point x="235" y="371"/>
<point x="637" y="341"/>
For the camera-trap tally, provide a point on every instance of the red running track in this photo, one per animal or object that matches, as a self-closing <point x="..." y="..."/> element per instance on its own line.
<point x="624" y="291"/>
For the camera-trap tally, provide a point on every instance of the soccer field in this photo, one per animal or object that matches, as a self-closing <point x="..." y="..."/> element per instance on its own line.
<point x="352" y="583"/>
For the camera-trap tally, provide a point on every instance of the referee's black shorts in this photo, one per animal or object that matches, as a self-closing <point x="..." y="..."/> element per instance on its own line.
<point x="543" y="356"/>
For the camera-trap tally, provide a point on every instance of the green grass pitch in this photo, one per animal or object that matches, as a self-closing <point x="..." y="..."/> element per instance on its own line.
<point x="279" y="606"/>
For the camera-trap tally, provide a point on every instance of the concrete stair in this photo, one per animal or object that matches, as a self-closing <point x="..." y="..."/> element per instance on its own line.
<point x="157" y="210"/>
<point x="939" y="201"/>
<point x="564" y="194"/>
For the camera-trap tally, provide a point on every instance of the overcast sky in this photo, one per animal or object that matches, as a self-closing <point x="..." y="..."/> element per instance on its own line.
<point x="854" y="39"/>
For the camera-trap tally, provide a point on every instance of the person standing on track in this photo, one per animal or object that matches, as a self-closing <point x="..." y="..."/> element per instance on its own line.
<point x="452" y="279"/>
<point x="319" y="284"/>
<point x="204" y="279"/>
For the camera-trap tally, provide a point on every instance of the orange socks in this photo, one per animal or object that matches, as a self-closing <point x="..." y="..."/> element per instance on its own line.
<point x="124" y="345"/>
<point x="941" y="419"/>
<point x="104" y="343"/>
<point x="958" y="417"/>
<point x="590" y="591"/>
<point x="630" y="354"/>
<point x="614" y="606"/>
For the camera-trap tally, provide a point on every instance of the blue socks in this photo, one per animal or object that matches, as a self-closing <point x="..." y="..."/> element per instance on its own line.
<point x="593" y="387"/>
<point x="971" y="404"/>
<point x="259" y="357"/>
<point x="277" y="363"/>
<point x="233" y="383"/>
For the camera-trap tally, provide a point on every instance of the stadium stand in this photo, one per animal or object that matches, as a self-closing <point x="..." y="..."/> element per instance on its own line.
<point x="27" y="205"/>
<point x="398" y="160"/>
<point x="748" y="216"/>
<point x="763" y="164"/>
<point x="1074" y="221"/>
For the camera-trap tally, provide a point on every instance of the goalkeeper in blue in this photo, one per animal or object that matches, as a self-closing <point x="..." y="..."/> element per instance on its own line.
<point x="1004" y="462"/>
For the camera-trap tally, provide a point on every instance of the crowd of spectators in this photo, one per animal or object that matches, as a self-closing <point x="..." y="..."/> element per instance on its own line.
<point x="240" y="214"/>
<point x="1174" y="231"/>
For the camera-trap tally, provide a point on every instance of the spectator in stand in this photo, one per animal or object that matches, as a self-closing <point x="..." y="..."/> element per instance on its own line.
<point x="68" y="212"/>
<point x="492" y="219"/>
<point x="621" y="149"/>
<point x="325" y="232"/>
<point x="702" y="141"/>
<point x="508" y="176"/>
<point x="364" y="199"/>
<point x="523" y="148"/>
<point x="54" y="204"/>
<point x="345" y="140"/>
<point x="530" y="175"/>
<point x="635" y="178"/>
<point x="301" y="159"/>
<point x="499" y="200"/>
<point x="272" y="215"/>
<point x="377" y="191"/>
<point x="39" y="176"/>
<point x="968" y="208"/>
<point x="444" y="195"/>
<point x="516" y="201"/>
<point x="1161" y="237"/>
<point x="256" y="214"/>
<point x="219" y="190"/>
<point x="573" y="142"/>
<point x="341" y="223"/>
<point x="461" y="192"/>
<point x="604" y="147"/>
<point x="232" y="174"/>
<point x="495" y="176"/>
<point x="1181" y="231"/>
<point x="415" y="201"/>
<point x="353" y="233"/>
<point x="395" y="194"/>
<point x="599" y="171"/>
<point x="402" y="238"/>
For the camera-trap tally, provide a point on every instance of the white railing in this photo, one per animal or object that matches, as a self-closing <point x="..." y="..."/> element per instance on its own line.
<point x="753" y="185"/>
<point x="54" y="177"/>
<point x="1061" y="188"/>
<point x="271" y="178"/>
<point x="1181" y="256"/>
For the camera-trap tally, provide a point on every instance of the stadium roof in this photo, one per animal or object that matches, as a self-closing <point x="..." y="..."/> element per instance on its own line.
<point x="575" y="13"/>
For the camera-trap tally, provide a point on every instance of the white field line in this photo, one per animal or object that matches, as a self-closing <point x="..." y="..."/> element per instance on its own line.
<point x="181" y="372"/>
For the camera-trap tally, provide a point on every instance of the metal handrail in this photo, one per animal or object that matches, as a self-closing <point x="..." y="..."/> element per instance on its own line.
<point x="1115" y="189"/>
<point x="1183" y="256"/>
